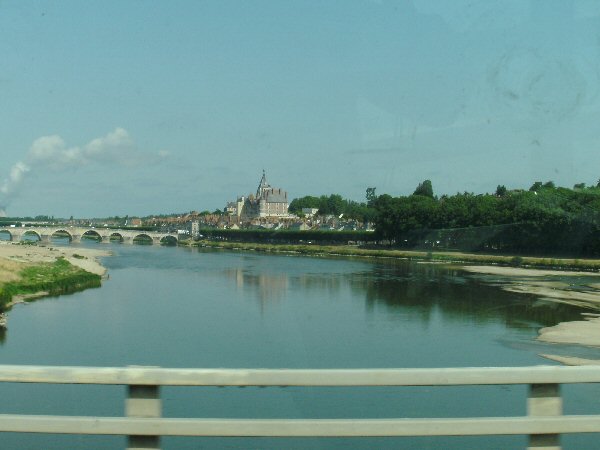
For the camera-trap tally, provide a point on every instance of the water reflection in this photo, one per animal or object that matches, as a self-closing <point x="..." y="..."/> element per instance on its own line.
<point x="267" y="287"/>
<point x="423" y="288"/>
<point x="412" y="289"/>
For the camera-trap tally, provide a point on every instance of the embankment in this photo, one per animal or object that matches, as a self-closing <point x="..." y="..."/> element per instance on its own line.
<point x="28" y="272"/>
<point x="442" y="256"/>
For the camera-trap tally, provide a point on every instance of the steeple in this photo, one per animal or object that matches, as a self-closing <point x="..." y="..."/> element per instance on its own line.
<point x="262" y="186"/>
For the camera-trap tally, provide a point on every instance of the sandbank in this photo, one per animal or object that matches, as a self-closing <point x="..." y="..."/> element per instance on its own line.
<point x="583" y="332"/>
<point x="571" y="287"/>
<point x="524" y="272"/>
<point x="13" y="255"/>
<point x="560" y="286"/>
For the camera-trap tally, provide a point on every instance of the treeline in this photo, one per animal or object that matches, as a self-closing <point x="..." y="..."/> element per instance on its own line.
<point x="542" y="220"/>
<point x="335" y="205"/>
<point x="289" y="236"/>
<point x="17" y="221"/>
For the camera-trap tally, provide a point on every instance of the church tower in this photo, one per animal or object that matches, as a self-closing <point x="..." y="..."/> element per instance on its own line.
<point x="263" y="186"/>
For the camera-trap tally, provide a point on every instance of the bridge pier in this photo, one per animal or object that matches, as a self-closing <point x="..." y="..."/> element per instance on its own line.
<point x="14" y="237"/>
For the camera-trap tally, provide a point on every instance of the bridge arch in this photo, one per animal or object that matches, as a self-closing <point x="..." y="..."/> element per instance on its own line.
<point x="116" y="236"/>
<point x="143" y="239"/>
<point x="31" y="232"/>
<point x="5" y="232"/>
<point x="91" y="234"/>
<point x="168" y="239"/>
<point x="61" y="232"/>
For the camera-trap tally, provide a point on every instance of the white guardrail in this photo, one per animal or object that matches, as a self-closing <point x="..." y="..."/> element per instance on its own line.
<point x="544" y="421"/>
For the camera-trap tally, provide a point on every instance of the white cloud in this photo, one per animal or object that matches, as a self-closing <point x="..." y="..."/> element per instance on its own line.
<point x="116" y="146"/>
<point x="17" y="172"/>
<point x="51" y="152"/>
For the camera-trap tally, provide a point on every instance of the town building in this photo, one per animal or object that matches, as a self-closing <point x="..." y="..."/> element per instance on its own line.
<point x="269" y="202"/>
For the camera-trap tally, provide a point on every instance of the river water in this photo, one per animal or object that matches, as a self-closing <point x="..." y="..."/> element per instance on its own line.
<point x="182" y="307"/>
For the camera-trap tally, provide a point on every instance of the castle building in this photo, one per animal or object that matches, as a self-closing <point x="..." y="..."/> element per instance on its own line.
<point x="269" y="202"/>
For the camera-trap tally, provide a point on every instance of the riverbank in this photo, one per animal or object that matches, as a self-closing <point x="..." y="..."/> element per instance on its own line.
<point x="550" y="279"/>
<point x="31" y="271"/>
<point x="13" y="253"/>
<point x="529" y="262"/>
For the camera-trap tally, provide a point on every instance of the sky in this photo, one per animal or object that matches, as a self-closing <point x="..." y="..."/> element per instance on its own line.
<point x="148" y="107"/>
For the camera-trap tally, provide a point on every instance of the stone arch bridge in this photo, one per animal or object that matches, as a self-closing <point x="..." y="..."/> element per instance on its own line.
<point x="45" y="234"/>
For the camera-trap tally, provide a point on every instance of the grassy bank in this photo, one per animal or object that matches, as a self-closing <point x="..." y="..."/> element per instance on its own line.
<point x="454" y="257"/>
<point x="34" y="281"/>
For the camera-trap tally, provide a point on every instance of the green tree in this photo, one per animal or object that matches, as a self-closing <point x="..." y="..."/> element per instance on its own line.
<point x="334" y="204"/>
<point x="371" y="196"/>
<point x="501" y="190"/>
<point x="536" y="186"/>
<point x="425" y="189"/>
<point x="304" y="202"/>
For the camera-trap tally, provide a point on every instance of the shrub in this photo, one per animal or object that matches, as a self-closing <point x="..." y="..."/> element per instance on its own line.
<point x="516" y="261"/>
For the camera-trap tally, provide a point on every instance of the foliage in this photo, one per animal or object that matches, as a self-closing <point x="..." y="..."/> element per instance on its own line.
<point x="335" y="205"/>
<point x="55" y="278"/>
<point x="370" y="195"/>
<point x="516" y="261"/>
<point x="425" y="189"/>
<point x="544" y="220"/>
<point x="536" y="186"/>
<point x="307" y="201"/>
<point x="289" y="236"/>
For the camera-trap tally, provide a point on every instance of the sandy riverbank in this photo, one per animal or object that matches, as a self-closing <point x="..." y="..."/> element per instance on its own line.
<point x="582" y="332"/>
<point x="561" y="286"/>
<point x="575" y="288"/>
<point x="524" y="272"/>
<point x="14" y="256"/>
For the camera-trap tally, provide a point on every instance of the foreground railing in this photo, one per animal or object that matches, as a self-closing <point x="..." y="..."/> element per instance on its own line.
<point x="144" y="426"/>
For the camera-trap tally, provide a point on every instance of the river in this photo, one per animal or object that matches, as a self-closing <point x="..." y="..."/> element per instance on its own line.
<point x="183" y="307"/>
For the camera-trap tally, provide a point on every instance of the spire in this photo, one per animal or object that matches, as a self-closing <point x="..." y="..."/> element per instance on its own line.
<point x="262" y="185"/>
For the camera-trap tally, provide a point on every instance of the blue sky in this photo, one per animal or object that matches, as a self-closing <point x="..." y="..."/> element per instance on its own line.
<point x="140" y="107"/>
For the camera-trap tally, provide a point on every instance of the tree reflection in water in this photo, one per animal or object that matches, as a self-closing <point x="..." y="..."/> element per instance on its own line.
<point x="416" y="289"/>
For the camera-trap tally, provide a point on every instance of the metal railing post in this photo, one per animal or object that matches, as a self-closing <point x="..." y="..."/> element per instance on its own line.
<point x="544" y="400"/>
<point x="143" y="401"/>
